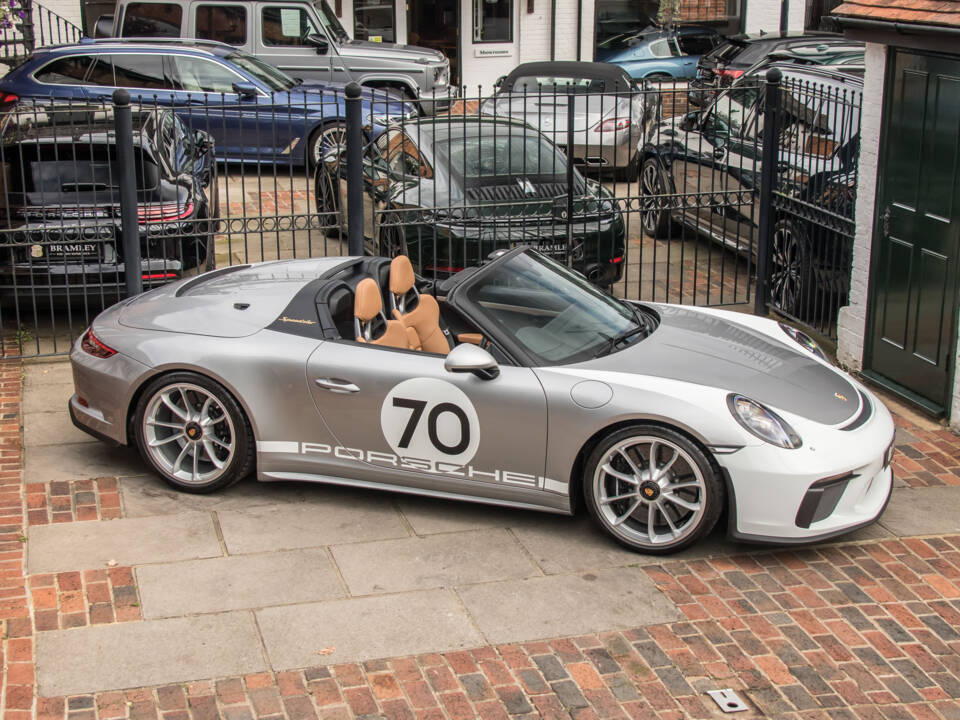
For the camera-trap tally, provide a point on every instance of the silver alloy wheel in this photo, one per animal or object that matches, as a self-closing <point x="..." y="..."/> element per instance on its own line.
<point x="787" y="275"/>
<point x="329" y="137"/>
<point x="649" y="491"/>
<point x="650" y="187"/>
<point x="188" y="433"/>
<point x="328" y="207"/>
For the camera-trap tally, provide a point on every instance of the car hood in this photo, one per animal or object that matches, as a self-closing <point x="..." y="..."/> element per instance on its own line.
<point x="232" y="302"/>
<point x="707" y="349"/>
<point x="391" y="51"/>
<point x="548" y="113"/>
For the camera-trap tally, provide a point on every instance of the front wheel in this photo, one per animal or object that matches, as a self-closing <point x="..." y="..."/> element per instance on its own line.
<point x="655" y="213"/>
<point x="193" y="433"/>
<point x="327" y="139"/>
<point x="791" y="278"/>
<point x="652" y="489"/>
<point x="327" y="192"/>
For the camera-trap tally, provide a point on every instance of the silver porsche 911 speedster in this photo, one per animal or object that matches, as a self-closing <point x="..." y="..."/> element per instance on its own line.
<point x="515" y="383"/>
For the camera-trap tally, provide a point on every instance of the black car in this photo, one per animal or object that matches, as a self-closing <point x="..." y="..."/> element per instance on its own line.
<point x="703" y="171"/>
<point x="60" y="209"/>
<point x="718" y="68"/>
<point x="449" y="191"/>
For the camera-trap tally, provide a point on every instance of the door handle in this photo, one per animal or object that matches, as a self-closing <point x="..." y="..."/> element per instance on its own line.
<point x="885" y="222"/>
<point x="337" y="385"/>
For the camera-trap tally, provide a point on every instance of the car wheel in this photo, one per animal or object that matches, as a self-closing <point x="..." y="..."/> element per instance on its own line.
<point x="193" y="433"/>
<point x="652" y="489"/>
<point x="391" y="241"/>
<point x="328" y="203"/>
<point x="325" y="139"/>
<point x="655" y="216"/>
<point x="790" y="274"/>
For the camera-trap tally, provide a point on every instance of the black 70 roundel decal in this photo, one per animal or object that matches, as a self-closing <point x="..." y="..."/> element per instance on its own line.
<point x="430" y="419"/>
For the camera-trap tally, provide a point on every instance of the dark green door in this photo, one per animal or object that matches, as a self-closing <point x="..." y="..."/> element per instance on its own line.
<point x="913" y="287"/>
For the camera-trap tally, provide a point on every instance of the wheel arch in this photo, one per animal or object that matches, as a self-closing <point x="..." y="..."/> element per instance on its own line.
<point x="163" y="371"/>
<point x="576" y="470"/>
<point x="411" y="91"/>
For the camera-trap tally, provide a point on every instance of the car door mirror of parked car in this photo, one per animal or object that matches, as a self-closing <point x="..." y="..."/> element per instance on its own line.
<point x="467" y="358"/>
<point x="246" y="90"/>
<point x="690" y="122"/>
<point x="318" y="41"/>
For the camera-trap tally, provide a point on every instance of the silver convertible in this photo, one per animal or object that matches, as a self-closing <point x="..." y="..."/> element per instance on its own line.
<point x="515" y="383"/>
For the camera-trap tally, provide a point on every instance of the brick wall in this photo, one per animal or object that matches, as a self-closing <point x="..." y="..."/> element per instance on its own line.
<point x="853" y="317"/>
<point x="703" y="10"/>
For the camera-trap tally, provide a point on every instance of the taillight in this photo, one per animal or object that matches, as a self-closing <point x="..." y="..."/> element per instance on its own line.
<point x="617" y="259"/>
<point x="730" y="74"/>
<point x="91" y="344"/>
<point x="613" y="124"/>
<point x="159" y="276"/>
<point x="9" y="99"/>
<point x="161" y="212"/>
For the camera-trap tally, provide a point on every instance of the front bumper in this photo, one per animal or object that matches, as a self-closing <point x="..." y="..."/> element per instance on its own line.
<point x="837" y="482"/>
<point x="438" y="99"/>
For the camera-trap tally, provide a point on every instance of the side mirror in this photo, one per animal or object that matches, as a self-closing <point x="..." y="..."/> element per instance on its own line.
<point x="246" y="90"/>
<point x="468" y="358"/>
<point x="318" y="41"/>
<point x="103" y="27"/>
<point x="499" y="82"/>
<point x="691" y="121"/>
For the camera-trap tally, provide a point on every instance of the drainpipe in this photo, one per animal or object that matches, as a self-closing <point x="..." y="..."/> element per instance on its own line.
<point x="553" y="30"/>
<point x="784" y="16"/>
<point x="579" y="28"/>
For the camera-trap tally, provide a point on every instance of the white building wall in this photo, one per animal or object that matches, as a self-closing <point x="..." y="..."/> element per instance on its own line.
<point x="852" y="319"/>
<point x="764" y="15"/>
<point x="67" y="9"/>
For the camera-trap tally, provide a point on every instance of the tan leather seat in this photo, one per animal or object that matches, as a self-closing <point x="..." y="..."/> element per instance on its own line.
<point x="421" y="313"/>
<point x="371" y="325"/>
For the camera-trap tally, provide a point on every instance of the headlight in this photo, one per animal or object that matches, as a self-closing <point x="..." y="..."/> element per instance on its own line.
<point x="804" y="340"/>
<point x="763" y="423"/>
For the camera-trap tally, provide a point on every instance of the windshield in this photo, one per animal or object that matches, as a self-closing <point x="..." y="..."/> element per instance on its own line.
<point x="276" y="80"/>
<point x="329" y="20"/>
<point x="550" y="311"/>
<point x="508" y="153"/>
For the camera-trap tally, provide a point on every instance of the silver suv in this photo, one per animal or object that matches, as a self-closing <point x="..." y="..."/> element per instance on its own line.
<point x="302" y="37"/>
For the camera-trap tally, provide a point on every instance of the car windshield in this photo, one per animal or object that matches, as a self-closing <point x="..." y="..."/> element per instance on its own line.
<point x="499" y="151"/>
<point x="274" y="79"/>
<point x="552" y="312"/>
<point x="329" y="20"/>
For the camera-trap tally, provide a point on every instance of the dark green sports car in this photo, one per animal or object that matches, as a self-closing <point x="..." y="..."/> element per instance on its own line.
<point x="447" y="191"/>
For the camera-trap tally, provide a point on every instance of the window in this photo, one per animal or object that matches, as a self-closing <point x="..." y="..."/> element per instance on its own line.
<point x="546" y="84"/>
<point x="286" y="26"/>
<point x="223" y="23"/>
<point x="152" y="20"/>
<point x="492" y="21"/>
<point x="201" y="75"/>
<point x="139" y="71"/>
<point x="695" y="44"/>
<point x="664" y="48"/>
<point x="373" y="20"/>
<point x="65" y="71"/>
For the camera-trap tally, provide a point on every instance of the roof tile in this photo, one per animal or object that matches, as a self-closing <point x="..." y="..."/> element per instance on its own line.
<point x="921" y="12"/>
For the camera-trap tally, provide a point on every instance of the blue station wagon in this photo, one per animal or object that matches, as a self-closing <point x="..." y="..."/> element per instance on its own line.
<point x="254" y="112"/>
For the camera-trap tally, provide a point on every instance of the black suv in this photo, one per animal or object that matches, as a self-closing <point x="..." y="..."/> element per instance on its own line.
<point x="60" y="205"/>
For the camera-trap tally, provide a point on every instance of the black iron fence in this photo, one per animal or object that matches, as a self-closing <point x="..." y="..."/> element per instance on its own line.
<point x="646" y="195"/>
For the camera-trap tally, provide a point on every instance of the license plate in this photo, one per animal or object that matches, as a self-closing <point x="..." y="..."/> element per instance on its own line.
<point x="559" y="248"/>
<point x="73" y="250"/>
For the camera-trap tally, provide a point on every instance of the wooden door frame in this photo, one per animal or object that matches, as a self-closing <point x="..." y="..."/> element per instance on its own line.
<point x="875" y="248"/>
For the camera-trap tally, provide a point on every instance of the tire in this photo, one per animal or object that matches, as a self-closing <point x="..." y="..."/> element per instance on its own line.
<point x="655" y="216"/>
<point x="173" y="407"/>
<point x="323" y="138"/>
<point x="328" y="203"/>
<point x="622" y="497"/>
<point x="791" y="276"/>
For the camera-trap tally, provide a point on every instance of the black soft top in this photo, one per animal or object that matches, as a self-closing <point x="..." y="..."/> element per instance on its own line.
<point x="615" y="78"/>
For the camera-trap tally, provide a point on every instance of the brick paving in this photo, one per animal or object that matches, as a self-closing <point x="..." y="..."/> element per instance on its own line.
<point x="863" y="629"/>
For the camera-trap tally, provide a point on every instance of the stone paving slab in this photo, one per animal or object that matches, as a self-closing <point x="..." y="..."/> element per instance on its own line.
<point x="81" y="545"/>
<point x="148" y="495"/>
<point x="81" y="461"/>
<point x="155" y="652"/>
<point x="923" y="511"/>
<point x="445" y="560"/>
<point x="237" y="583"/>
<point x="522" y="610"/>
<point x="51" y="428"/>
<point x="47" y="397"/>
<point x="360" y="629"/>
<point x="428" y="516"/>
<point x="352" y="517"/>
<point x="38" y="374"/>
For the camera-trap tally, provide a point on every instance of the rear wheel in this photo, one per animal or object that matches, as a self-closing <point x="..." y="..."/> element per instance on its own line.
<point x="791" y="278"/>
<point x="324" y="140"/>
<point x="655" y="215"/>
<point x="328" y="202"/>
<point x="652" y="489"/>
<point x="391" y="241"/>
<point x="193" y="433"/>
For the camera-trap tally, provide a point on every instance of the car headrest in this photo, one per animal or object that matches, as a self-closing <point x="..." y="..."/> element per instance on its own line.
<point x="367" y="303"/>
<point x="401" y="275"/>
